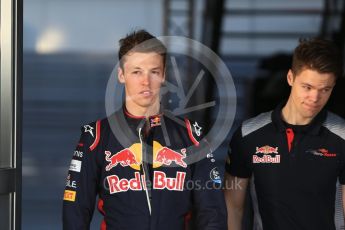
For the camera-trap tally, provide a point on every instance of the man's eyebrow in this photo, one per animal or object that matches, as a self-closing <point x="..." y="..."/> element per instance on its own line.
<point x="326" y="87"/>
<point x="307" y="84"/>
<point x="138" y="67"/>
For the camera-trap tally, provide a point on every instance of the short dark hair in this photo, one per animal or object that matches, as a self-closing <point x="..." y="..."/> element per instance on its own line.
<point x="140" y="41"/>
<point x="317" y="54"/>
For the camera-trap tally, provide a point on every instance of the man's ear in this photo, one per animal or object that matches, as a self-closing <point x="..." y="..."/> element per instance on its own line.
<point x="164" y="74"/>
<point x="290" y="77"/>
<point x="120" y="75"/>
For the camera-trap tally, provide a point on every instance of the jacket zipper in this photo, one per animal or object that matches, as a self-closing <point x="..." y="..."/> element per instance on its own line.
<point x="145" y="170"/>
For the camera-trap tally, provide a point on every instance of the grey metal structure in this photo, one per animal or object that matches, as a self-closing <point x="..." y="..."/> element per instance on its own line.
<point x="213" y="17"/>
<point x="171" y="14"/>
<point x="10" y="113"/>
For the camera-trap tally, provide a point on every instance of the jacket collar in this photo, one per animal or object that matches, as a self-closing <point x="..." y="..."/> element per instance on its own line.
<point x="153" y="120"/>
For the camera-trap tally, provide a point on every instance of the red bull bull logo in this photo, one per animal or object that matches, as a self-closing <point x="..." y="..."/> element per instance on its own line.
<point x="132" y="157"/>
<point x="266" y="150"/>
<point x="125" y="158"/>
<point x="166" y="156"/>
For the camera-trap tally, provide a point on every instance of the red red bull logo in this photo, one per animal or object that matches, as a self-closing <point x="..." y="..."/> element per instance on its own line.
<point x="155" y="121"/>
<point x="266" y="159"/>
<point x="125" y="158"/>
<point x="266" y="150"/>
<point x="166" y="156"/>
<point x="123" y="185"/>
<point x="160" y="181"/>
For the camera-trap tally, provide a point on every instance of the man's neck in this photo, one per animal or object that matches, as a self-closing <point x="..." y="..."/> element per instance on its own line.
<point x="143" y="111"/>
<point x="291" y="116"/>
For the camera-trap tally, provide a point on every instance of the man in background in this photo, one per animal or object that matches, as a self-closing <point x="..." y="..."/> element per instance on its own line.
<point x="295" y="154"/>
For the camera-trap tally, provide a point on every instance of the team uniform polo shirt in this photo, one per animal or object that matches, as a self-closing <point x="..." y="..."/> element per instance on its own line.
<point x="294" y="169"/>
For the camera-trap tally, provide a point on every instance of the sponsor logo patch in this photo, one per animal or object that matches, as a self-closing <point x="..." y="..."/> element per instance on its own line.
<point x="215" y="176"/>
<point x="71" y="183"/>
<point x="125" y="158"/>
<point x="75" y="166"/>
<point x="266" y="154"/>
<point x="155" y="121"/>
<point x="166" y="156"/>
<point x="69" y="195"/>
<point x="266" y="159"/>
<point x="197" y="129"/>
<point x="266" y="150"/>
<point x="88" y="129"/>
<point x="161" y="181"/>
<point x="78" y="154"/>
<point x="132" y="157"/>
<point x="321" y="152"/>
<point x="137" y="183"/>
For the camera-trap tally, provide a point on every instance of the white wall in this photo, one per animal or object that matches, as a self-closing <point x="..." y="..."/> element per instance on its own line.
<point x="268" y="23"/>
<point x="86" y="25"/>
<point x="52" y="26"/>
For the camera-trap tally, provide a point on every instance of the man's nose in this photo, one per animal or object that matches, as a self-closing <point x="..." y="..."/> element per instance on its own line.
<point x="146" y="79"/>
<point x="315" y="95"/>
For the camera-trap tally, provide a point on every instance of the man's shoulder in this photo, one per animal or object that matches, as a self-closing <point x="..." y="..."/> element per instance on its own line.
<point x="91" y="127"/>
<point x="191" y="127"/>
<point x="256" y="123"/>
<point x="185" y="122"/>
<point x="335" y="124"/>
<point x="91" y="132"/>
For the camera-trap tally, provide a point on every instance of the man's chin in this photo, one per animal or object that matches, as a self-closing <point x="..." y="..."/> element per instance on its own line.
<point x="146" y="104"/>
<point x="310" y="114"/>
